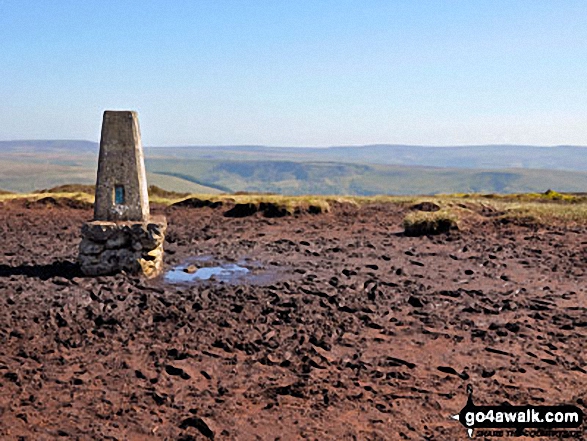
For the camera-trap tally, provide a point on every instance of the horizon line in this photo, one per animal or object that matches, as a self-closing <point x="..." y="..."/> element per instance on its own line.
<point x="310" y="146"/>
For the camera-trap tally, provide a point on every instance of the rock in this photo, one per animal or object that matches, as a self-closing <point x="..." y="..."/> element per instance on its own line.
<point x="151" y="267"/>
<point x="191" y="269"/>
<point x="119" y="239"/>
<point x="153" y="254"/>
<point x="134" y="247"/>
<point x="98" y="231"/>
<point x="156" y="230"/>
<point x="89" y="247"/>
<point x="88" y="260"/>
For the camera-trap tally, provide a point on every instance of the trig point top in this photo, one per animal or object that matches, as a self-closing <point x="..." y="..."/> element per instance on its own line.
<point x="121" y="185"/>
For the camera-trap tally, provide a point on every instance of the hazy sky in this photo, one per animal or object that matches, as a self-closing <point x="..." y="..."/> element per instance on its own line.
<point x="299" y="72"/>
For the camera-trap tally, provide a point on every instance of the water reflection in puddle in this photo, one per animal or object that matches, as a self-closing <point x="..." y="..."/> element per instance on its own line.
<point x="227" y="272"/>
<point x="205" y="268"/>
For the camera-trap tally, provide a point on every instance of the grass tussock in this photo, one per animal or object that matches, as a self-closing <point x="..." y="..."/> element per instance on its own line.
<point x="421" y="223"/>
<point x="269" y="205"/>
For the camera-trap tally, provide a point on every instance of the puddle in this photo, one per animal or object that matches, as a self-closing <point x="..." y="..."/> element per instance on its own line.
<point x="227" y="272"/>
<point x="207" y="269"/>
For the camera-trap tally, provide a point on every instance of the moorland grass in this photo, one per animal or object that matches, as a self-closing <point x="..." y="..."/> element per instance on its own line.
<point x="420" y="223"/>
<point x="539" y="208"/>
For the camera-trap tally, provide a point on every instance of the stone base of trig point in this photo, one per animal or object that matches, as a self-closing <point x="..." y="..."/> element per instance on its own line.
<point x="130" y="246"/>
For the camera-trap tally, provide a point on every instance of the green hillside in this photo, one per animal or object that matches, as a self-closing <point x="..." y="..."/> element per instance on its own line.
<point x="26" y="166"/>
<point x="293" y="178"/>
<point x="25" y="177"/>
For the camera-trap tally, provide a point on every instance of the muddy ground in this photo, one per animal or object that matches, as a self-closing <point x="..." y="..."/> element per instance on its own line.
<point x="356" y="331"/>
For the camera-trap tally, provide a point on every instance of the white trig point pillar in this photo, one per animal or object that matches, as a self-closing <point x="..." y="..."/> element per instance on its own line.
<point x="121" y="185"/>
<point x="123" y="236"/>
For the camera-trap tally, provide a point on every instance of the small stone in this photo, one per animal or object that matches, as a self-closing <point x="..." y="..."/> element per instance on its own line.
<point x="153" y="254"/>
<point x="90" y="247"/>
<point x="98" y="231"/>
<point x="88" y="260"/>
<point x="151" y="268"/>
<point x="190" y="269"/>
<point x="119" y="240"/>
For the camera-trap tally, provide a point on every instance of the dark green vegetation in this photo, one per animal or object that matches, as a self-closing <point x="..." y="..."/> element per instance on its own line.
<point x="26" y="166"/>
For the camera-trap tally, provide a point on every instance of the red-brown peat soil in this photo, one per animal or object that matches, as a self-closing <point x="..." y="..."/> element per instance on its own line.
<point x="348" y="330"/>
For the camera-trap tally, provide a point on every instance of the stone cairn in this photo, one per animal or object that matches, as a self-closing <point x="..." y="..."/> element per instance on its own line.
<point x="123" y="236"/>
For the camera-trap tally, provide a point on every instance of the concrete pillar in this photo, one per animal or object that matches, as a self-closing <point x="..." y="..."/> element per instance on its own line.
<point x="122" y="236"/>
<point x="121" y="184"/>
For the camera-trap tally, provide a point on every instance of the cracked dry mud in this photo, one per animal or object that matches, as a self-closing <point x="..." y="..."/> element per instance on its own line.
<point x="362" y="333"/>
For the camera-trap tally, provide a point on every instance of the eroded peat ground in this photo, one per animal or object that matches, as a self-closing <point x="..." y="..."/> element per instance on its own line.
<point x="362" y="333"/>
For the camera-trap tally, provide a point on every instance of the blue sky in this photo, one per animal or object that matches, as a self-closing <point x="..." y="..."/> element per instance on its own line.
<point x="297" y="73"/>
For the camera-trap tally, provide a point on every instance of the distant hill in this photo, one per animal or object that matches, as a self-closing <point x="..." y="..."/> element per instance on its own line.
<point x="24" y="175"/>
<point x="482" y="156"/>
<point x="44" y="146"/>
<point x="359" y="170"/>
<point x="287" y="177"/>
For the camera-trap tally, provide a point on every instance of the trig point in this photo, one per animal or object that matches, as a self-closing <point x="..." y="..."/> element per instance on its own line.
<point x="121" y="186"/>
<point x="123" y="236"/>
